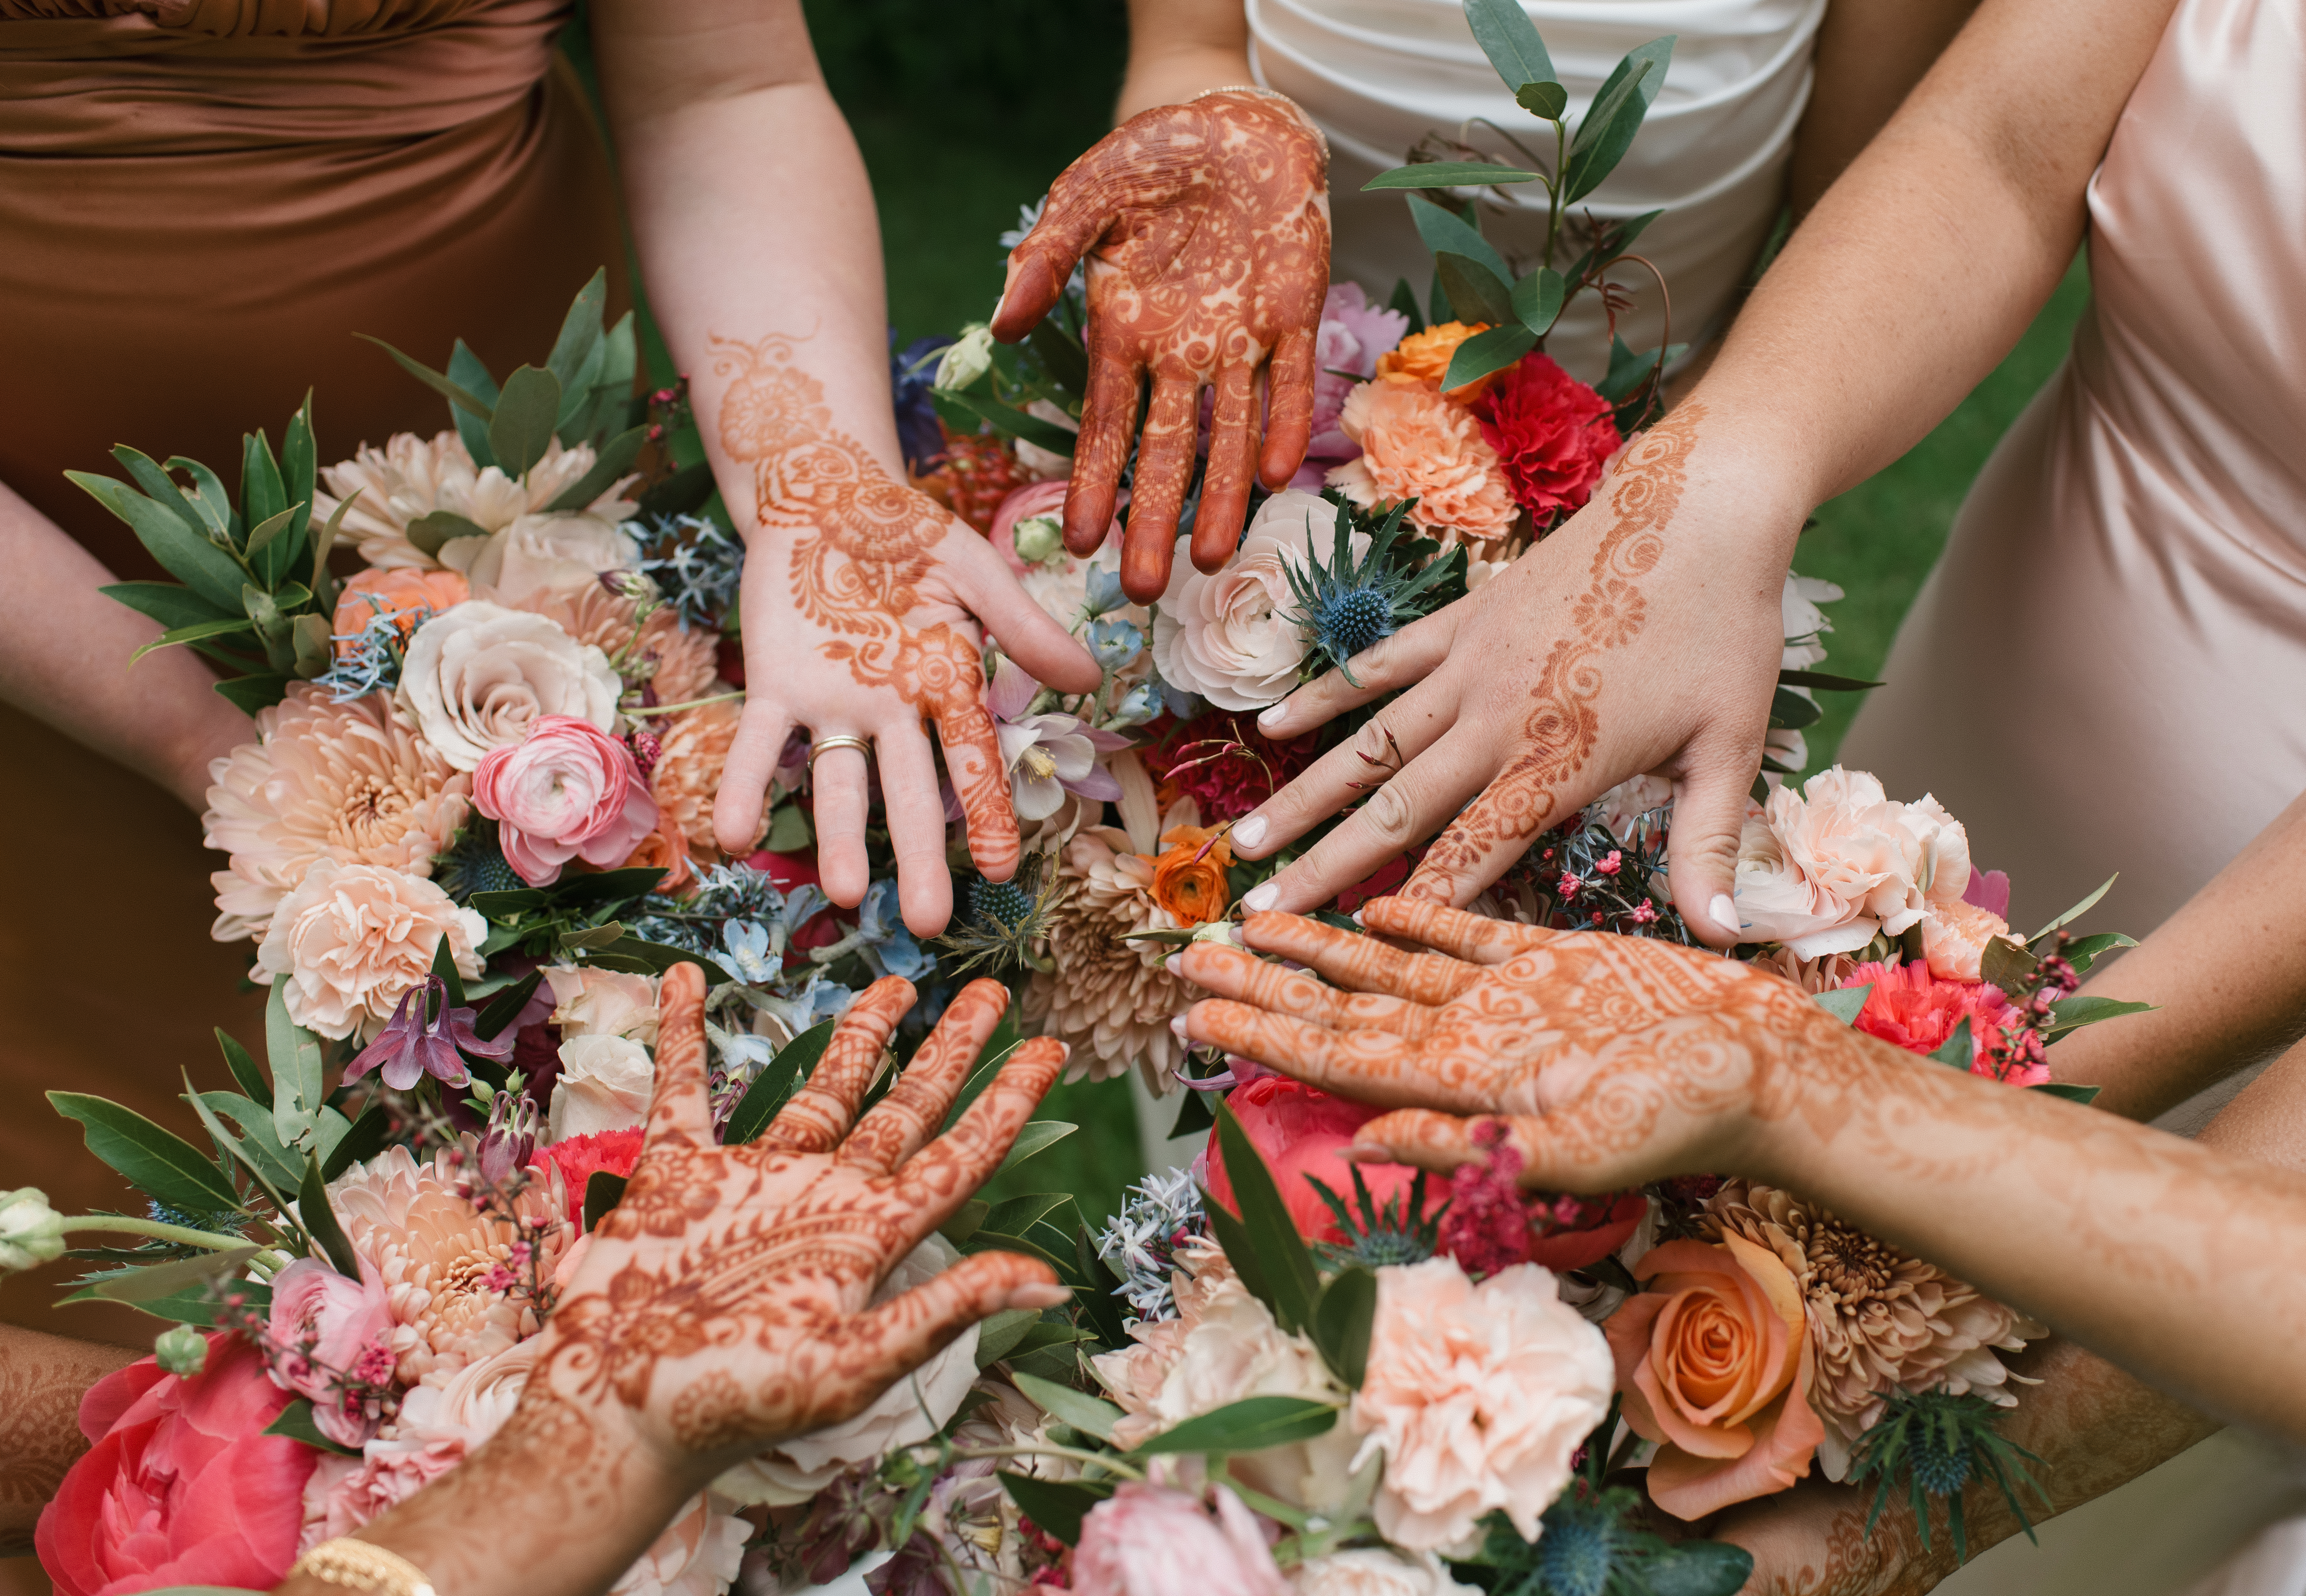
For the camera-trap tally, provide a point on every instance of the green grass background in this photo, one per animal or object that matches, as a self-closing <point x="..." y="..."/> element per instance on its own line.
<point x="963" y="116"/>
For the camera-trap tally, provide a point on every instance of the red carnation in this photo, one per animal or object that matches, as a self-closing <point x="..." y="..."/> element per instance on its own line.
<point x="1553" y="433"/>
<point x="581" y="1157"/>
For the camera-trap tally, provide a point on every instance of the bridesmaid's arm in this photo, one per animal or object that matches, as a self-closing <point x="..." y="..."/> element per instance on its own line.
<point x="63" y="658"/>
<point x="1179" y="48"/>
<point x="1870" y="54"/>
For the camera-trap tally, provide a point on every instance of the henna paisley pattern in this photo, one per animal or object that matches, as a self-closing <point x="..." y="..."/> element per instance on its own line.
<point x="1563" y="725"/>
<point x="1205" y="228"/>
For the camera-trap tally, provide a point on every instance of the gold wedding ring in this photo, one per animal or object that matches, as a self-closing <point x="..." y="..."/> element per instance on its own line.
<point x="826" y="744"/>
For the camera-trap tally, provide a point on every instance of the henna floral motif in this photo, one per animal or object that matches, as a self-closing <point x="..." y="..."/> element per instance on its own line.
<point x="1206" y="228"/>
<point x="1563" y="725"/>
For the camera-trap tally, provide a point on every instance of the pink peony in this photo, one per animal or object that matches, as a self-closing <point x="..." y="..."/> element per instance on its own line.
<point x="180" y="1486"/>
<point x="1913" y="1009"/>
<point x="1145" y="1541"/>
<point x="1416" y="444"/>
<point x="1302" y="1133"/>
<point x="567" y="790"/>
<point x="1551" y="432"/>
<point x="327" y="1332"/>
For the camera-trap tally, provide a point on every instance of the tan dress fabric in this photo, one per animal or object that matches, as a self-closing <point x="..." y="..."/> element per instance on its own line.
<point x="200" y="203"/>
<point x="2107" y="671"/>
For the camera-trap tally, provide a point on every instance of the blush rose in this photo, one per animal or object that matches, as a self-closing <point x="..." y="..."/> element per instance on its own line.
<point x="566" y="790"/>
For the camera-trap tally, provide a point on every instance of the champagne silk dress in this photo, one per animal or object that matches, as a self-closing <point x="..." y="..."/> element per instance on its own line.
<point x="1378" y="75"/>
<point x="200" y="203"/>
<point x="2107" y="669"/>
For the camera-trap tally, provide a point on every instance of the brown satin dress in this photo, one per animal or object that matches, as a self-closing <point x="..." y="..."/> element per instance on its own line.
<point x="200" y="203"/>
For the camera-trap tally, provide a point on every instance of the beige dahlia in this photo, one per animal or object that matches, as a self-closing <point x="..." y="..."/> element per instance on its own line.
<point x="411" y="476"/>
<point x="325" y="780"/>
<point x="688" y="773"/>
<point x="1109" y="999"/>
<point x="677" y="661"/>
<point x="1879" y="1320"/>
<point x="437" y="1253"/>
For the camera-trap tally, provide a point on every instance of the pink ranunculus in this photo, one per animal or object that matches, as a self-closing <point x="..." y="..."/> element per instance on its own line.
<point x="1302" y="1133"/>
<point x="324" y="1329"/>
<point x="1145" y="1540"/>
<point x="180" y="1485"/>
<point x="566" y="790"/>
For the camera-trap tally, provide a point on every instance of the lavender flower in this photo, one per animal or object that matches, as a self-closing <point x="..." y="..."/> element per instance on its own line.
<point x="426" y="1037"/>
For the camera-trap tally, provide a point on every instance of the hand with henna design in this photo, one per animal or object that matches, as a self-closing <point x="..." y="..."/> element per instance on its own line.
<point x="1611" y="1060"/>
<point x="1205" y="229"/>
<point x="862" y="599"/>
<point x="1634" y="638"/>
<point x="722" y="1305"/>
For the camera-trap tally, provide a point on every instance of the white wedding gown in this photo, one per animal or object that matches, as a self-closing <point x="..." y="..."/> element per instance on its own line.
<point x="1378" y="75"/>
<point x="2223" y="101"/>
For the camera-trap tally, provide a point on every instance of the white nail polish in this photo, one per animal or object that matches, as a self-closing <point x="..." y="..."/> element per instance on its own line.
<point x="1175" y="964"/>
<point x="1250" y="832"/>
<point x="1270" y="716"/>
<point x="1724" y="913"/>
<point x="1357" y="919"/>
<point x="1261" y="898"/>
<point x="1177" y="1027"/>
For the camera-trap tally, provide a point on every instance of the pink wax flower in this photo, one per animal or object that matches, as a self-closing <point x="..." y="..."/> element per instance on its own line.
<point x="566" y="790"/>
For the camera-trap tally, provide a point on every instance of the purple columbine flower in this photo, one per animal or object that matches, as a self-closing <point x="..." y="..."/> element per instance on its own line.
<point x="424" y="1037"/>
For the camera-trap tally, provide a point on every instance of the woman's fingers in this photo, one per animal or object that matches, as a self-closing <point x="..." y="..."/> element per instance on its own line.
<point x="1406" y="807"/>
<point x="1405" y="659"/>
<point x="1101" y="446"/>
<point x="821" y="1113"/>
<point x="680" y="1107"/>
<point x="897" y="1126"/>
<point x="1709" y="819"/>
<point x="1233" y="454"/>
<point x="1384" y="744"/>
<point x="884" y="1344"/>
<point x="1289" y="406"/>
<point x="972" y="758"/>
<point x="1476" y="939"/>
<point x="1428" y="1138"/>
<point x="1230" y="973"/>
<point x="1562" y="1151"/>
<point x="1075" y="215"/>
<point x="1157" y="494"/>
<point x="1027" y="633"/>
<point x="1360" y="963"/>
<point x="838" y="794"/>
<point x="915" y="810"/>
<point x="753" y="755"/>
<point x="1541" y="788"/>
<point x="939" y="1178"/>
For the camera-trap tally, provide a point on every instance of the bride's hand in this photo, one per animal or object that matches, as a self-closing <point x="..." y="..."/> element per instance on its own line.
<point x="721" y="1305"/>
<point x="1207" y="230"/>
<point x="1608" y="1060"/>
<point x="862" y="600"/>
<point x="1643" y="635"/>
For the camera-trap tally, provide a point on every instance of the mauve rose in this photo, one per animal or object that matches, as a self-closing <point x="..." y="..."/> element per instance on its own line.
<point x="475" y="678"/>
<point x="1145" y="1541"/>
<point x="1302" y="1133"/>
<point x="566" y="790"/>
<point x="180" y="1486"/>
<point x="323" y="1329"/>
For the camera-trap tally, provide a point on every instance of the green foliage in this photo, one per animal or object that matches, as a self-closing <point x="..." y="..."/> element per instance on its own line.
<point x="602" y="1192"/>
<point x="1424" y="175"/>
<point x="295" y="1422"/>
<point x="1056" y="1506"/>
<point x="1400" y="1231"/>
<point x="1939" y="1444"/>
<point x="773" y="1088"/>
<point x="156" y="1161"/>
<point x="1844" y="1003"/>
<point x="1249" y="1425"/>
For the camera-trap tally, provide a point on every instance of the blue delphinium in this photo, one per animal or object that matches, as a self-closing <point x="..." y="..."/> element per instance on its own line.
<point x="912" y="373"/>
<point x="1348" y="606"/>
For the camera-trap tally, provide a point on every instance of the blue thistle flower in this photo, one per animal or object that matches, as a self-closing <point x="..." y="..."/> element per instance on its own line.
<point x="1942" y="1442"/>
<point x="697" y="567"/>
<point x="476" y="863"/>
<point x="1348" y="606"/>
<point x="1576" y="1553"/>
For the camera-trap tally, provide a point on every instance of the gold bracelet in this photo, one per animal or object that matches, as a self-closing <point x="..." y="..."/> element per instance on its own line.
<point x="362" y="1565"/>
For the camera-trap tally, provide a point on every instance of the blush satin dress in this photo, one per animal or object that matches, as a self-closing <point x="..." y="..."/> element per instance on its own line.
<point x="200" y="203"/>
<point x="2107" y="669"/>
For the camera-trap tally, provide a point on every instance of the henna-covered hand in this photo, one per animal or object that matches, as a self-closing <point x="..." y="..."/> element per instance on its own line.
<point x="1623" y="642"/>
<point x="1205" y="226"/>
<point x="862" y="608"/>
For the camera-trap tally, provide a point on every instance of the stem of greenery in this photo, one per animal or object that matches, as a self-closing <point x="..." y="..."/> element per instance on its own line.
<point x="182" y="1236"/>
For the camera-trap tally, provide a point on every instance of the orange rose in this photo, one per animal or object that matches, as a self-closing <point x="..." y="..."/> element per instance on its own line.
<point x="665" y="849"/>
<point x="1188" y="882"/>
<point x="1424" y="357"/>
<point x="1714" y="1361"/>
<point x="400" y="593"/>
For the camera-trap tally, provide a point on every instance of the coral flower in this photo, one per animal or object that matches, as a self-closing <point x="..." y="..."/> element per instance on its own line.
<point x="581" y="1157"/>
<point x="1188" y="880"/>
<point x="406" y="594"/>
<point x="1912" y="1008"/>
<point x="1425" y="356"/>
<point x="1415" y="444"/>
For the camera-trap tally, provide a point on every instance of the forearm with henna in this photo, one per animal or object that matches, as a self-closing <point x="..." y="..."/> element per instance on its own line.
<point x="42" y="1379"/>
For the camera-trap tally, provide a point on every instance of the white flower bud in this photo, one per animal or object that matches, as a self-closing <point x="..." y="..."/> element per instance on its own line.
<point x="32" y="1233"/>
<point x="1039" y="539"/>
<point x="180" y="1350"/>
<point x="967" y="359"/>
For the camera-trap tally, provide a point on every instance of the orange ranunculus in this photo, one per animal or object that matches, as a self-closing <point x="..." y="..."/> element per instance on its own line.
<point x="1424" y="357"/>
<point x="1714" y="1361"/>
<point x="665" y="849"/>
<point x="1188" y="882"/>
<point x="398" y="592"/>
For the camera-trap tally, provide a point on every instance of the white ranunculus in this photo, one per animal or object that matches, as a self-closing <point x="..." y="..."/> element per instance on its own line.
<point x="474" y="679"/>
<point x="1231" y="637"/>
<point x="590" y="1001"/>
<point x="557" y="552"/>
<point x="604" y="1084"/>
<point x="906" y="1414"/>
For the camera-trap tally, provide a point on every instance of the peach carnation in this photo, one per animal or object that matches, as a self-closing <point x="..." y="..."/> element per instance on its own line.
<point x="1425" y="358"/>
<point x="412" y="477"/>
<point x="1477" y="1396"/>
<point x="1415" y="444"/>
<point x="403" y="592"/>
<point x="695" y="748"/>
<point x="1824" y="869"/>
<point x="437" y="1253"/>
<point x="351" y="938"/>
<point x="1955" y="935"/>
<point x="675" y="662"/>
<point x="324" y="781"/>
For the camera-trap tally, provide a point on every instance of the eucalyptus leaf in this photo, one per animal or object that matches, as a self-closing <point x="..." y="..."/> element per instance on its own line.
<point x="471" y="373"/>
<point x="1405" y="302"/>
<point x="1092" y="1415"/>
<point x="1263" y="1237"/>
<point x="1844" y="1003"/>
<point x="299" y="1086"/>
<point x="1510" y="40"/>
<point x="1958" y="1051"/>
<point x="432" y="529"/>
<point x="1486" y="351"/>
<point x="184" y="554"/>
<point x="295" y="1422"/>
<point x="1698" y="1568"/>
<point x="795" y="1063"/>
<point x="1475" y="293"/>
<point x="580" y="329"/>
<point x="2072" y="1013"/>
<point x="2084" y="952"/>
<point x="2068" y="1090"/>
<point x="521" y="430"/>
<point x="1056" y="1506"/>
<point x="156" y="1281"/>
<point x="2067" y="918"/>
<point x="1547" y="101"/>
<point x="319" y="1221"/>
<point x="1038" y="1137"/>
<point x="2008" y="966"/>
<point x="456" y="393"/>
<point x="789" y="828"/>
<point x="1342" y="1322"/>
<point x="243" y="1065"/>
<point x="1536" y="301"/>
<point x="1252" y="1424"/>
<point x="1444" y="230"/>
<point x="1607" y="130"/>
<point x="1448" y="175"/>
<point x="603" y="1192"/>
<point x="170" y="604"/>
<point x="615" y="459"/>
<point x="162" y="489"/>
<point x="263" y="494"/>
<point x="197" y="632"/>
<point x="156" y="1161"/>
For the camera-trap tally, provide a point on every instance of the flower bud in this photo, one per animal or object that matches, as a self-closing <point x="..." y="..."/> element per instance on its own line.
<point x="1039" y="539"/>
<point x="1103" y="591"/>
<point x="967" y="359"/>
<point x="32" y="1233"/>
<point x="180" y="1350"/>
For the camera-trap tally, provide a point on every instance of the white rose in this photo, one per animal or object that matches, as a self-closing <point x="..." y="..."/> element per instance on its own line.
<point x="604" y="1084"/>
<point x="475" y="676"/>
<point x="1376" y="1571"/>
<point x="906" y="1414"/>
<point x="557" y="552"/>
<point x="1230" y="637"/>
<point x="352" y="938"/>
